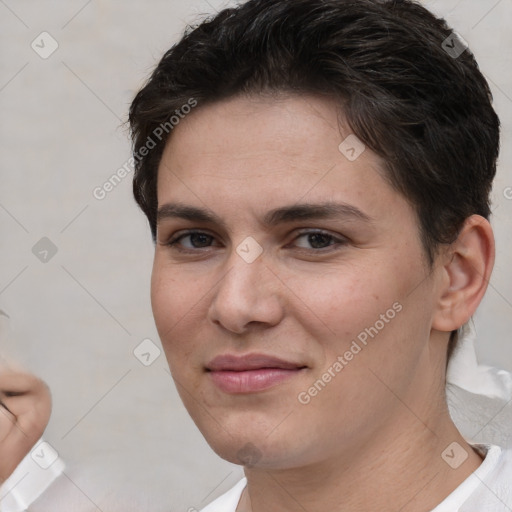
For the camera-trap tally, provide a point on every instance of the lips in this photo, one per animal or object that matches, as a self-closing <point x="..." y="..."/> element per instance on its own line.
<point x="233" y="363"/>
<point x="250" y="373"/>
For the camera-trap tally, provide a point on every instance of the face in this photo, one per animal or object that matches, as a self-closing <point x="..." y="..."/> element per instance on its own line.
<point x="286" y="325"/>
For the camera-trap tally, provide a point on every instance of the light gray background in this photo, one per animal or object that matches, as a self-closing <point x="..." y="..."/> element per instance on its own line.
<point x="120" y="426"/>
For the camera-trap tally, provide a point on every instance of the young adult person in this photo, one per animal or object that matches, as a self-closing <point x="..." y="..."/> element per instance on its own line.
<point x="316" y="175"/>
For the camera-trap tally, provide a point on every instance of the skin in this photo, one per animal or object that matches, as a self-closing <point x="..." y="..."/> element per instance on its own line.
<point x="373" y="437"/>
<point x="25" y="406"/>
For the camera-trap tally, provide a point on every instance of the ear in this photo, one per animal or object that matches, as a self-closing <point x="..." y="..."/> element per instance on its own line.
<point x="466" y="272"/>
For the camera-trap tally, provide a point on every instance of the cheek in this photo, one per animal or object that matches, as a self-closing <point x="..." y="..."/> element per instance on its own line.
<point x="345" y="300"/>
<point x="368" y="303"/>
<point x="171" y="300"/>
<point x="179" y="298"/>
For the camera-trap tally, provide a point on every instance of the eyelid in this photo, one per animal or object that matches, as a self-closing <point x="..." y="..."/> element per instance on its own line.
<point x="182" y="233"/>
<point x="307" y="231"/>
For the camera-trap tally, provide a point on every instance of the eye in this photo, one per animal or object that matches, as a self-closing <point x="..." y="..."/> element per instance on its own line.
<point x="320" y="239"/>
<point x="317" y="240"/>
<point x="197" y="238"/>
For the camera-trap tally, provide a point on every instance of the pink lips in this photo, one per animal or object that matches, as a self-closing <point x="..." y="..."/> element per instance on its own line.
<point x="250" y="373"/>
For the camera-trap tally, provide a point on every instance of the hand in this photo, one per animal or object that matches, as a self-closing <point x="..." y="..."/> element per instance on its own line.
<point x="25" y="407"/>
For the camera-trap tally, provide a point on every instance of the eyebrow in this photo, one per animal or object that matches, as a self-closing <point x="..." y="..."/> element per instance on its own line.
<point x="284" y="214"/>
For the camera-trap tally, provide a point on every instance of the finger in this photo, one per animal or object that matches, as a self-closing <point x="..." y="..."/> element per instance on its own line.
<point x="28" y="399"/>
<point x="15" y="381"/>
<point x="2" y="403"/>
<point x="14" y="444"/>
<point x="25" y="406"/>
<point x="7" y="421"/>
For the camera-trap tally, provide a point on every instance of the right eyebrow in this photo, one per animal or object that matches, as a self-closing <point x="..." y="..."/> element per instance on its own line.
<point x="191" y="213"/>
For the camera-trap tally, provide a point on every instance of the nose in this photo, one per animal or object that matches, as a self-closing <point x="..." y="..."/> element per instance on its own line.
<point x="248" y="295"/>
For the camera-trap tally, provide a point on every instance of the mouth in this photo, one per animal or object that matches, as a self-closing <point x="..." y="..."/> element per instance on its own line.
<point x="251" y="373"/>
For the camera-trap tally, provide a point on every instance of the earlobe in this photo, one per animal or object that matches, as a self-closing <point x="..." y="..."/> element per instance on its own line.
<point x="466" y="274"/>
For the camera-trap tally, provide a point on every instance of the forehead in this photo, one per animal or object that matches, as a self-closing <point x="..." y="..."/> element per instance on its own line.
<point x="289" y="126"/>
<point x="262" y="152"/>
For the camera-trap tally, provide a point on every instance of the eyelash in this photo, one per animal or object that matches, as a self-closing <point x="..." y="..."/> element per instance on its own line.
<point x="173" y="243"/>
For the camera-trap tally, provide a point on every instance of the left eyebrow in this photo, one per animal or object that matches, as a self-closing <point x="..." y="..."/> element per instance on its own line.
<point x="309" y="211"/>
<point x="290" y="213"/>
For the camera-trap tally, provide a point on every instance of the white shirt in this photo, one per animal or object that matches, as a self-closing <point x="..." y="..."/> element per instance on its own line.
<point x="487" y="489"/>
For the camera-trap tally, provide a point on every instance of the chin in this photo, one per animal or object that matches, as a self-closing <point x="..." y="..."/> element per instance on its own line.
<point x="258" y="450"/>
